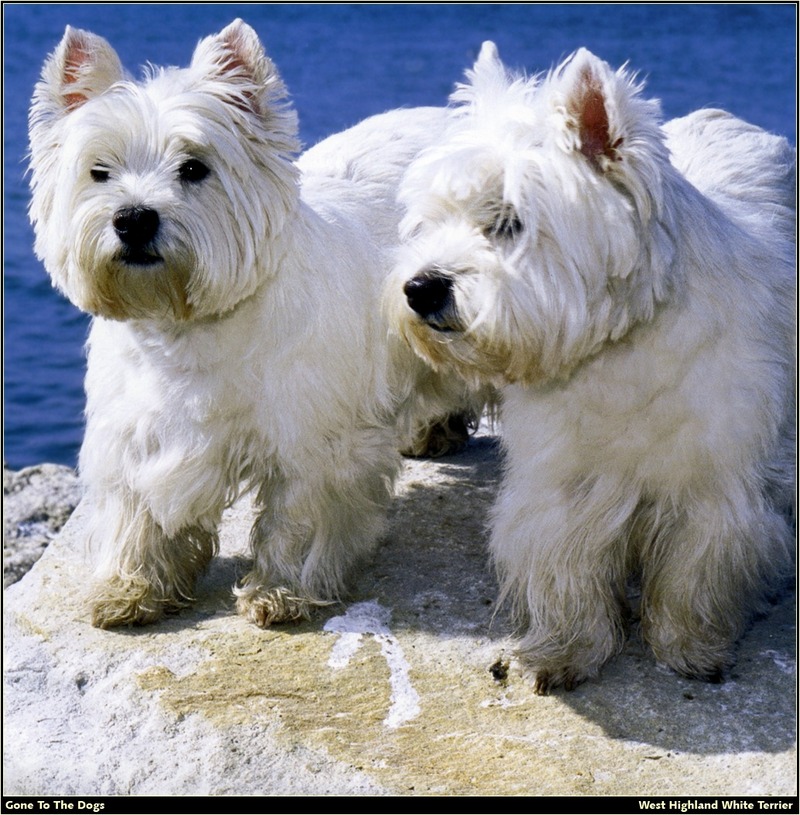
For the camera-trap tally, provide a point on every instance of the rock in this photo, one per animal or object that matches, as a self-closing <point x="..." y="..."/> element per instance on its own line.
<point x="411" y="688"/>
<point x="37" y="502"/>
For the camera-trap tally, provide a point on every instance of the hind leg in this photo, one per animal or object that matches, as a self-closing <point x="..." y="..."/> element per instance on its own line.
<point x="444" y="437"/>
<point x="705" y="574"/>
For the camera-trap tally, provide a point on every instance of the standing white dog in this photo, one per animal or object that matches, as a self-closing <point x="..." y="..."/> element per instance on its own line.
<point x="639" y="314"/>
<point x="237" y="342"/>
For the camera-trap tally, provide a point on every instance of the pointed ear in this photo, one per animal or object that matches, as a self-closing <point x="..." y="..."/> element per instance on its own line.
<point x="487" y="76"/>
<point x="488" y="59"/>
<point x="588" y="85"/>
<point x="236" y="58"/>
<point x="81" y="67"/>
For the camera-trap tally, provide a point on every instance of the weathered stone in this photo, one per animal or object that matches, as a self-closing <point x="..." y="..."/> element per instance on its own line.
<point x="409" y="689"/>
<point x="37" y="502"/>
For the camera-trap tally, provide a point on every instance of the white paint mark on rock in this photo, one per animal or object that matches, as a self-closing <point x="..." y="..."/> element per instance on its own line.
<point x="372" y="618"/>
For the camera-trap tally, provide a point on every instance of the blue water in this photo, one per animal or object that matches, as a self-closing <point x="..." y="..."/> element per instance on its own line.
<point x="342" y="63"/>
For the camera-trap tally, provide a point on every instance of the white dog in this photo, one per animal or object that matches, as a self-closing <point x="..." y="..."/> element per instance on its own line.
<point x="639" y="314"/>
<point x="238" y="341"/>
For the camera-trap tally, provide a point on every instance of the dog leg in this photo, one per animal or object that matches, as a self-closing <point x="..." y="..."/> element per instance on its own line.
<point x="444" y="437"/>
<point x="563" y="564"/>
<point x="705" y="575"/>
<point x="143" y="572"/>
<point x="306" y="541"/>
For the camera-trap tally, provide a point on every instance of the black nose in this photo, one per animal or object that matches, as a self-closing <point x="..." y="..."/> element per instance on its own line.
<point x="428" y="293"/>
<point x="136" y="226"/>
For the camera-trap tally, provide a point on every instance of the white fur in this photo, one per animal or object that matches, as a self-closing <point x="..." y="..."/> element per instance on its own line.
<point x="637" y="309"/>
<point x="243" y="346"/>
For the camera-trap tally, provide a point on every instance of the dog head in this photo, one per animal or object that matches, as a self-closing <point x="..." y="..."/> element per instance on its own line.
<point x="534" y="232"/>
<point x="160" y="199"/>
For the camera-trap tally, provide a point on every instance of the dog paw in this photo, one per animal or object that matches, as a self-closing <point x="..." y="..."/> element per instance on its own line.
<point x="445" y="437"/>
<point x="714" y="676"/>
<point x="712" y="672"/>
<point x="547" y="680"/>
<point x="279" y="605"/>
<point x="119" y="602"/>
<point x="691" y="652"/>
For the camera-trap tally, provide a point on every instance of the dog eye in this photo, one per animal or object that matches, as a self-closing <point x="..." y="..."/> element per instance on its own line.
<point x="99" y="174"/>
<point x="508" y="225"/>
<point x="193" y="171"/>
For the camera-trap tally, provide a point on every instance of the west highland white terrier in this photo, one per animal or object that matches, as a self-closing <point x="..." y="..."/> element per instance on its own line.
<point x="631" y="289"/>
<point x="237" y="342"/>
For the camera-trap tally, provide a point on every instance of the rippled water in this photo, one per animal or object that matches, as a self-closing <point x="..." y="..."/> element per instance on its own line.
<point x="342" y="63"/>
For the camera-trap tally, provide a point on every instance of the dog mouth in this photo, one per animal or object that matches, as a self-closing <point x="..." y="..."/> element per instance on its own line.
<point x="442" y="327"/>
<point x="138" y="256"/>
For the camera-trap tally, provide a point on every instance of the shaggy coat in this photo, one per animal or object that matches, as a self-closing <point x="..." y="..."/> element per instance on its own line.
<point x="237" y="343"/>
<point x="630" y="287"/>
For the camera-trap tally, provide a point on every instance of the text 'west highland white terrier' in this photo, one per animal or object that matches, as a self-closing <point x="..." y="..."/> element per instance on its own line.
<point x="631" y="288"/>
<point x="238" y="341"/>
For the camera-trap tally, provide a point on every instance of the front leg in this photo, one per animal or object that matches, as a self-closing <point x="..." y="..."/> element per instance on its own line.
<point x="143" y="573"/>
<point x="311" y="532"/>
<point x="271" y="593"/>
<point x="562" y="560"/>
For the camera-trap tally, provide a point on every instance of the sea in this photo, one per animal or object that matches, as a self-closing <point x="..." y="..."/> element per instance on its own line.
<point x="341" y="63"/>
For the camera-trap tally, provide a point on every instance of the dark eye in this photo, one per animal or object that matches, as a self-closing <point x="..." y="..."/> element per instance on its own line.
<point x="508" y="225"/>
<point x="193" y="171"/>
<point x="99" y="174"/>
<point x="415" y="231"/>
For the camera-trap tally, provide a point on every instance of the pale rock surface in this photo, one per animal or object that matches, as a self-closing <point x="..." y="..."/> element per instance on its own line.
<point x="408" y="689"/>
<point x="37" y="502"/>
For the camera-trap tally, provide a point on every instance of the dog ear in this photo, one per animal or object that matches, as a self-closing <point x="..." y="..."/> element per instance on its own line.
<point x="488" y="61"/>
<point x="236" y="58"/>
<point x="589" y="89"/>
<point x="82" y="66"/>
<point x="488" y="78"/>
